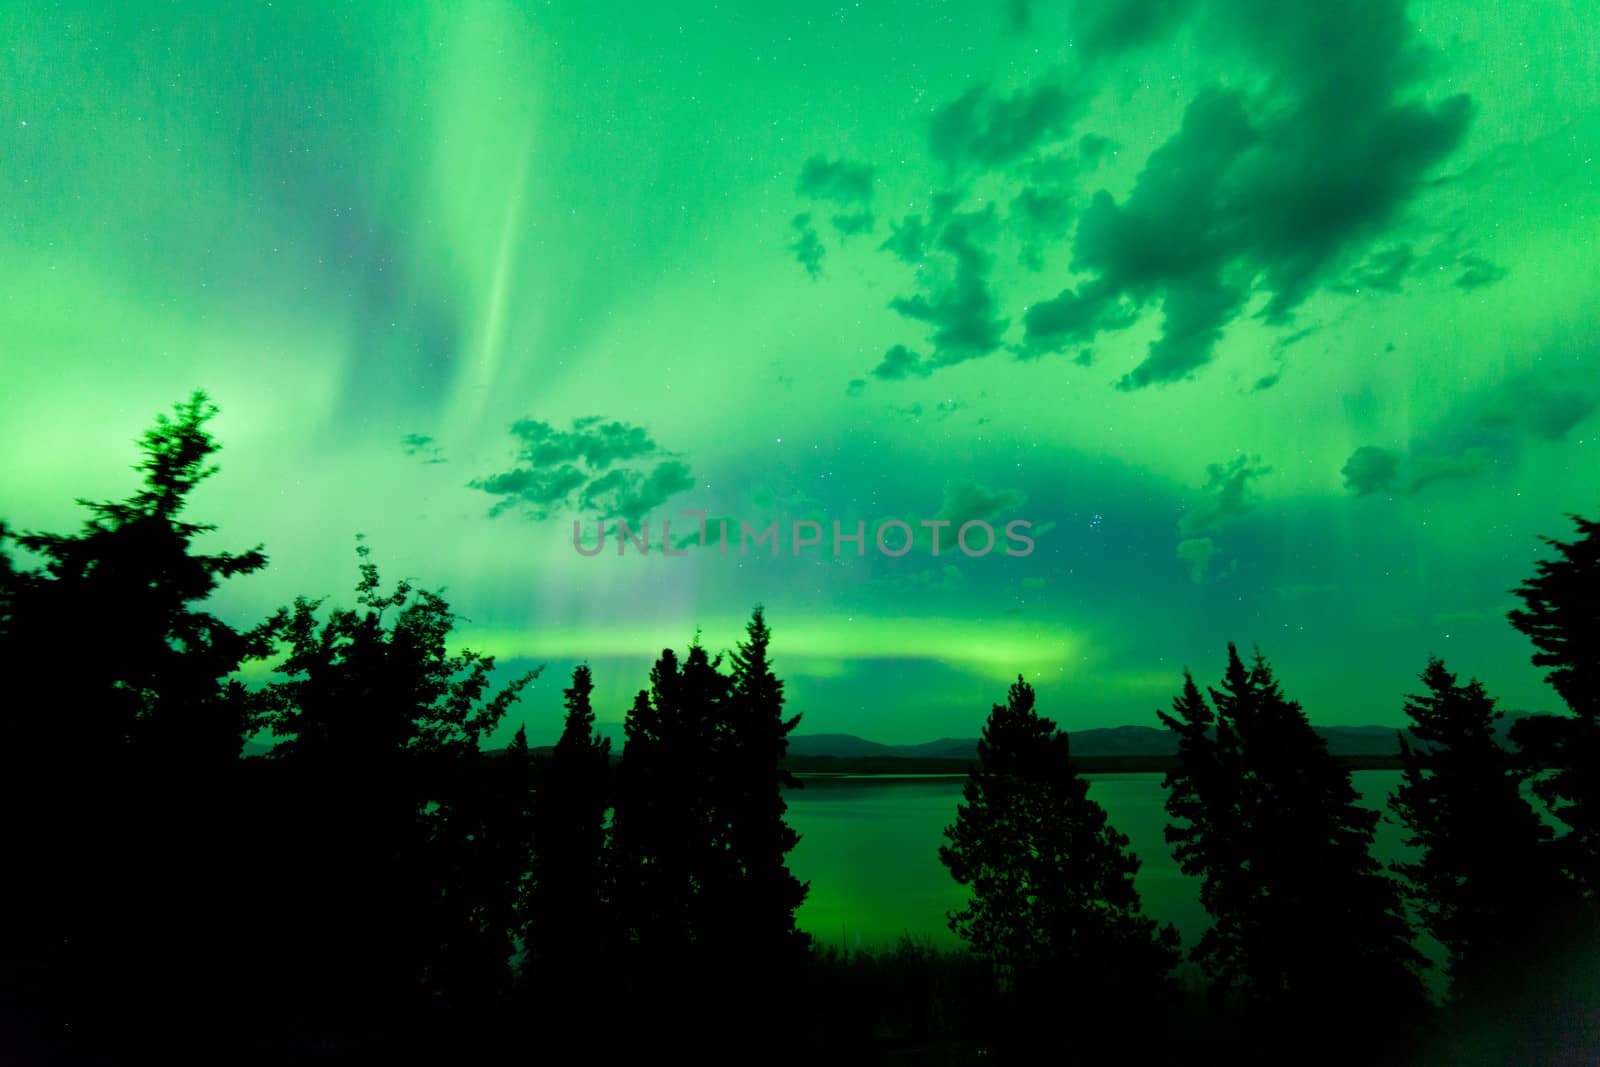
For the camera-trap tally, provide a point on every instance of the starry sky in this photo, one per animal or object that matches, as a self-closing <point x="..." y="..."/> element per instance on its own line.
<point x="1277" y="322"/>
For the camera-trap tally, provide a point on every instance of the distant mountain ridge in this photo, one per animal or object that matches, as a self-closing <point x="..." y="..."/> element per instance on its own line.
<point x="1127" y="741"/>
<point x="1107" y="741"/>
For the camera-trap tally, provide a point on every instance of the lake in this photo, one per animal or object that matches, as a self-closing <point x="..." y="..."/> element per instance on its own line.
<point x="870" y="848"/>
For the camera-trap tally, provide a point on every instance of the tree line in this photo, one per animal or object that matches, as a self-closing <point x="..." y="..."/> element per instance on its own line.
<point x="379" y="884"/>
<point x="1312" y="951"/>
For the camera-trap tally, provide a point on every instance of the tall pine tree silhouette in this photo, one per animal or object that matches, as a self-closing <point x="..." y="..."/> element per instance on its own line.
<point x="1307" y="928"/>
<point x="564" y="931"/>
<point x="1053" y="902"/>
<point x="130" y="767"/>
<point x="752" y="802"/>
<point x="699" y="845"/>
<point x="1561" y="616"/>
<point x="160" y="684"/>
<point x="1484" y="881"/>
<point x="1483" y="877"/>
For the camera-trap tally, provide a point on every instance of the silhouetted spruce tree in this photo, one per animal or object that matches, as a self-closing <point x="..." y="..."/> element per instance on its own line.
<point x="1308" y="930"/>
<point x="1485" y="883"/>
<point x="651" y="827"/>
<point x="396" y="812"/>
<point x="699" y="843"/>
<point x="759" y="836"/>
<point x="1482" y="879"/>
<point x="1053" y="901"/>
<point x="1561" y="616"/>
<point x="564" y="927"/>
<point x="160" y="683"/>
<point x="698" y="746"/>
<point x="120" y="848"/>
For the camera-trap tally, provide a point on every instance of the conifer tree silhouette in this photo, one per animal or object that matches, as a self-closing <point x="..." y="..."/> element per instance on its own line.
<point x="1053" y="902"/>
<point x="160" y="685"/>
<point x="1482" y="877"/>
<point x="1307" y="928"/>
<point x="699" y="841"/>
<point x="759" y="837"/>
<point x="564" y="929"/>
<point x="1484" y="882"/>
<point x="1561" y="616"/>
<point x="130" y="769"/>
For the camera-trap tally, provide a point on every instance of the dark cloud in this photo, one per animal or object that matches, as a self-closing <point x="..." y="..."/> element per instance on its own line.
<point x="1276" y="192"/>
<point x="1427" y="469"/>
<point x="1491" y="428"/>
<point x="538" y="493"/>
<point x="807" y="246"/>
<point x="840" y="181"/>
<point x="940" y="411"/>
<point x="1228" y="495"/>
<point x="1383" y="271"/>
<point x="596" y="443"/>
<point x="1479" y="273"/>
<point x="911" y="239"/>
<point x="1371" y="469"/>
<point x="1545" y="406"/>
<point x="988" y="130"/>
<point x="1092" y="148"/>
<point x="853" y="225"/>
<point x="631" y="494"/>
<point x="1114" y="25"/>
<point x="908" y="239"/>
<point x="582" y="469"/>
<point x="1295" y="338"/>
<point x="1444" y="457"/>
<point x="1039" y="217"/>
<point x="1282" y="182"/>
<point x="713" y="532"/>
<point x="955" y="298"/>
<point x="900" y="363"/>
<point x="1164" y="240"/>
<point x="856" y="387"/>
<point x="966" y="501"/>
<point x="421" y="446"/>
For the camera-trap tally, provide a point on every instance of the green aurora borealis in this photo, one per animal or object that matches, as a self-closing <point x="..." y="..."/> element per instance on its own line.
<point x="1278" y="321"/>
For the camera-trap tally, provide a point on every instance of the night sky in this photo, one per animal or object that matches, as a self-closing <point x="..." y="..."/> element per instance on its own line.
<point x="1278" y="321"/>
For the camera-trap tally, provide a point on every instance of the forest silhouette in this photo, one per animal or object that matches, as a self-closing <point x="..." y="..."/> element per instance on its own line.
<point x="379" y="885"/>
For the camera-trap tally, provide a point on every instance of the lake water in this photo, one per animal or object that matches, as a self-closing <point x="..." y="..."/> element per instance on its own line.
<point x="870" y="849"/>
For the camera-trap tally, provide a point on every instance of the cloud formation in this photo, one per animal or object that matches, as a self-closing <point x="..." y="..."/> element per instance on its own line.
<point x="807" y="246"/>
<point x="1297" y="173"/>
<point x="844" y="183"/>
<point x="1493" y="427"/>
<point x="1245" y="197"/>
<point x="954" y="298"/>
<point x="421" y="446"/>
<point x="1228" y="495"/>
<point x="981" y="128"/>
<point x="1371" y="469"/>
<point x="583" y="469"/>
<point x="839" y="181"/>
<point x="966" y="501"/>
